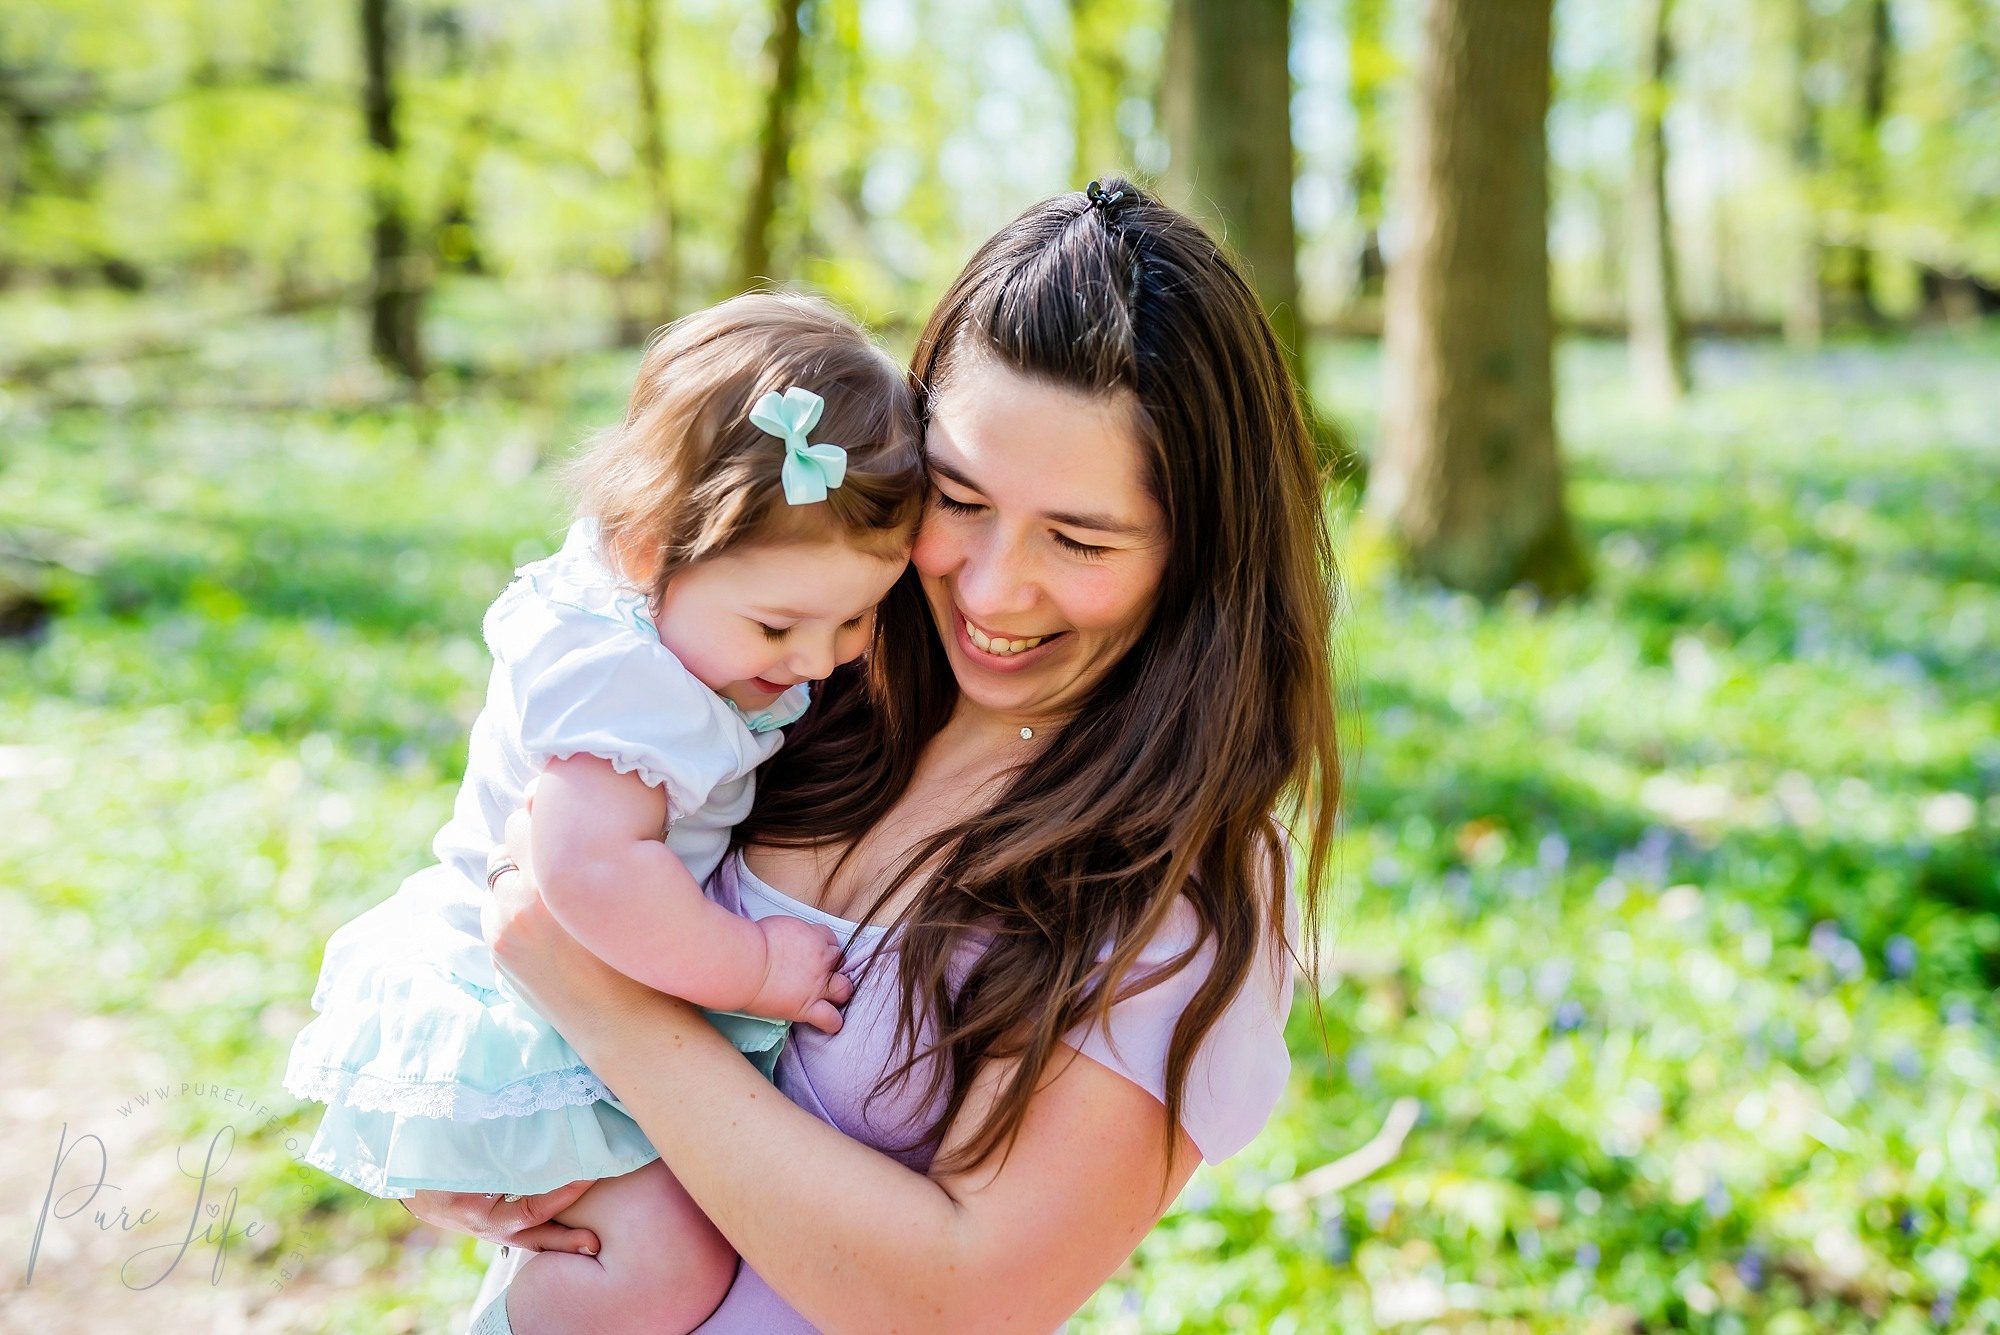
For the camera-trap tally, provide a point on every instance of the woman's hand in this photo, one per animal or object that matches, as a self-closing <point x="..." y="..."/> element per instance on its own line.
<point x="554" y="972"/>
<point x="527" y="1222"/>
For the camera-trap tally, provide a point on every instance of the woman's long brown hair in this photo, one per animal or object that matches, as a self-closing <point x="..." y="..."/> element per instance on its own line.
<point x="1165" y="783"/>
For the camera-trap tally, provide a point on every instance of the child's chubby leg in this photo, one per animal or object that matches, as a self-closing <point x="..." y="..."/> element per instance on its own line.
<point x="661" y="1268"/>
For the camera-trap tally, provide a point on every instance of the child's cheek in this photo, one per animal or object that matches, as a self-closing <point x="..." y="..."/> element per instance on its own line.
<point x="937" y="550"/>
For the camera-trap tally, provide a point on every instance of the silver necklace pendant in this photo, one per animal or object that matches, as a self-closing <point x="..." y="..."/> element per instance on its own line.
<point x="1027" y="733"/>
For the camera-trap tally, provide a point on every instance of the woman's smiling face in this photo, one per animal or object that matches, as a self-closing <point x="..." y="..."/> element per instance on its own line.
<point x="1042" y="548"/>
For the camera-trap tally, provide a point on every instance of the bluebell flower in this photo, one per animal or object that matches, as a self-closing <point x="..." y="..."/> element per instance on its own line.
<point x="1908" y="1064"/>
<point x="1569" y="1017"/>
<point x="1750" y="1269"/>
<point x="1334" y="1243"/>
<point x="1900" y="955"/>
<point x="1587" y="1256"/>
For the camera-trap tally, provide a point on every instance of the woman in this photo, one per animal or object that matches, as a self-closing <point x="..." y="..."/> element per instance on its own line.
<point x="1039" y="815"/>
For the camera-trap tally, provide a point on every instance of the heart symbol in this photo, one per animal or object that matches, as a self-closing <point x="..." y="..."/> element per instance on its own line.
<point x="213" y="1211"/>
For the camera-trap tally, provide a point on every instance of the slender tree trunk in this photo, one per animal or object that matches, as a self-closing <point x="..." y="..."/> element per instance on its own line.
<point x="395" y="296"/>
<point x="1805" y="306"/>
<point x="658" y="262"/>
<point x="1658" y="338"/>
<point x="455" y="237"/>
<point x="774" y="145"/>
<point x="1097" y="75"/>
<point x="1854" y="263"/>
<point x="1469" y="482"/>
<point x="1368" y="68"/>
<point x="1228" y="107"/>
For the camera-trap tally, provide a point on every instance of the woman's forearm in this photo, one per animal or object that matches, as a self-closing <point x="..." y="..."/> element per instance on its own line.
<point x="847" y="1235"/>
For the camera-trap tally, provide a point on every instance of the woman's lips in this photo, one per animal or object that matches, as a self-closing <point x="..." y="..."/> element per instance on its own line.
<point x="769" y="687"/>
<point x="993" y="662"/>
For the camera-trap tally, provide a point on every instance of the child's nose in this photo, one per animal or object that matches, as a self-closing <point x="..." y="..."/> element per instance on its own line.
<point x="816" y="662"/>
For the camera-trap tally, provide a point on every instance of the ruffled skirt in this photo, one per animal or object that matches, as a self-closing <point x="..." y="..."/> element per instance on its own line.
<point x="437" y="1077"/>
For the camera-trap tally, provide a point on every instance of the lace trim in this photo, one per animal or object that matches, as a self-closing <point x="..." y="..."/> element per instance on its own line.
<point x="445" y="1099"/>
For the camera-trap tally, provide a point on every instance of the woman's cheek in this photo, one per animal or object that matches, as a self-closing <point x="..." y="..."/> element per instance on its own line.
<point x="1104" y="599"/>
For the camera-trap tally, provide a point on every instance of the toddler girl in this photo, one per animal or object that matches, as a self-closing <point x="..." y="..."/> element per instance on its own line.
<point x="739" y="528"/>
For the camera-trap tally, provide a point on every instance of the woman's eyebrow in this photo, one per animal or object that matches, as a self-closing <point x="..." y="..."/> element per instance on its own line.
<point x="1100" y="523"/>
<point x="1097" y="523"/>
<point x="938" y="465"/>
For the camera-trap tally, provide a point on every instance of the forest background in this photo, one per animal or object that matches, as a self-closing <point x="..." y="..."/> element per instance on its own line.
<point x="1650" y="347"/>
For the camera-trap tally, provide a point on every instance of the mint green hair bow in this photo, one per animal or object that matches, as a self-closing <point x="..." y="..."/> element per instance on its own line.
<point x="810" y="470"/>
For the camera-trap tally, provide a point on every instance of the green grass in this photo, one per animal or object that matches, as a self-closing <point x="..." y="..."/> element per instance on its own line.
<point x="1675" y="907"/>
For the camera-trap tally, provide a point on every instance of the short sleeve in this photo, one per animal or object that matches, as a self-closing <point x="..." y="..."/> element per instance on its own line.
<point x="1241" y="1067"/>
<point x="585" y="684"/>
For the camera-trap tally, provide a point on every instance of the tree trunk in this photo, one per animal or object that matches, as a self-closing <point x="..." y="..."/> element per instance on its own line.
<point x="1853" y="267"/>
<point x="395" y="295"/>
<point x="658" y="261"/>
<point x="1097" y="76"/>
<point x="1805" y="306"/>
<point x="1658" y="337"/>
<point x="1368" y="69"/>
<point x="455" y="236"/>
<point x="1469" y="482"/>
<point x="1227" y="99"/>
<point x="774" y="146"/>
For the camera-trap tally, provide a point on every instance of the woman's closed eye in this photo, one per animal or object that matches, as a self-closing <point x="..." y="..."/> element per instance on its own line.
<point x="774" y="632"/>
<point x="952" y="505"/>
<point x="1081" y="550"/>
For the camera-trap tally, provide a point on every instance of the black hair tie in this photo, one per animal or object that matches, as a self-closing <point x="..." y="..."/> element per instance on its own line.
<point x="1100" y="198"/>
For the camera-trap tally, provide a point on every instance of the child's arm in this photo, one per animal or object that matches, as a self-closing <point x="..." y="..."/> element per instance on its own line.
<point x="613" y="885"/>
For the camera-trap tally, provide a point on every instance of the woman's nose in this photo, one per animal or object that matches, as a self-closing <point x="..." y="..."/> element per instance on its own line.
<point x="994" y="580"/>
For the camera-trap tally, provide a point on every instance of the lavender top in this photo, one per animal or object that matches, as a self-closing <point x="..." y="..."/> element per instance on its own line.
<point x="1238" y="1074"/>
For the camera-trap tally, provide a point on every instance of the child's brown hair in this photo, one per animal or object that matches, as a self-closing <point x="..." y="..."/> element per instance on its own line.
<point x="687" y="476"/>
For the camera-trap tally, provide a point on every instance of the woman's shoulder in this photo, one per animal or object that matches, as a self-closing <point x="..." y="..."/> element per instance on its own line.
<point x="1182" y="926"/>
<point x="1241" y="1064"/>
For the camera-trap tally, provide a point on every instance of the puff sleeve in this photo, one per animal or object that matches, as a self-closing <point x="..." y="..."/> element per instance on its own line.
<point x="598" y="682"/>
<point x="1241" y="1067"/>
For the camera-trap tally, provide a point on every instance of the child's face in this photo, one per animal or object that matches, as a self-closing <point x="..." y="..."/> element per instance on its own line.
<point x="758" y="619"/>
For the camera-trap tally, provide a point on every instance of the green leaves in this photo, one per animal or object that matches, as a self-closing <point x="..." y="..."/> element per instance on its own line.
<point x="1675" y="909"/>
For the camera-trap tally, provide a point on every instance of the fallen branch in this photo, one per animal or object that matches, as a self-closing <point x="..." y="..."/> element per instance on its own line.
<point x="1344" y="1172"/>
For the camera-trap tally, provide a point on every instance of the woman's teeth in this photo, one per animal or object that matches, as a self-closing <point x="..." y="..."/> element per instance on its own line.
<point x="998" y="647"/>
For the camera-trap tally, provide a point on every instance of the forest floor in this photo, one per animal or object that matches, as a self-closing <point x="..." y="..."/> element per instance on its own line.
<point x="1672" y="911"/>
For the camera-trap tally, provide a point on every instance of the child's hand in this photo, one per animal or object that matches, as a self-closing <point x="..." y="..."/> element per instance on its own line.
<point x="800" y="982"/>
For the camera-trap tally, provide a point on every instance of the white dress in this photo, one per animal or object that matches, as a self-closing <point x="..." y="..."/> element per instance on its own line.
<point x="436" y="1076"/>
